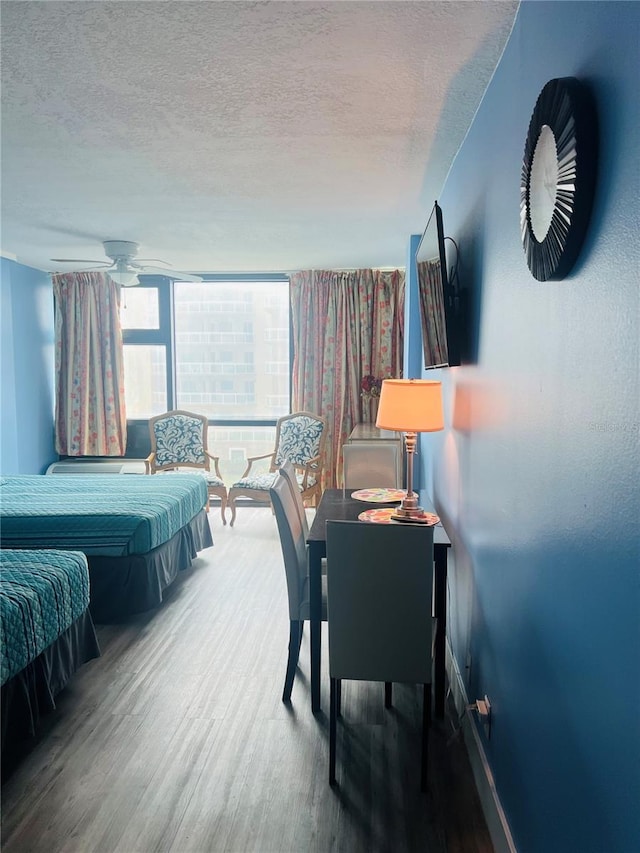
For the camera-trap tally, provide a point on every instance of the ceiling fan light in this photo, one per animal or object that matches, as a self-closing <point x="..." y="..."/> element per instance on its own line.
<point x="124" y="278"/>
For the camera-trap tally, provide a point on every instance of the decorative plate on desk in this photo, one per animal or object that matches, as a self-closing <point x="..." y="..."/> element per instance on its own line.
<point x="379" y="496"/>
<point x="384" y="516"/>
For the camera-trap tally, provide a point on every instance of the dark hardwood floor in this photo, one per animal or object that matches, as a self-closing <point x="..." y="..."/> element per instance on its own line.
<point x="176" y="739"/>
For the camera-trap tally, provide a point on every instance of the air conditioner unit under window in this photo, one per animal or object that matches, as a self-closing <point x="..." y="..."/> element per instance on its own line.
<point x="97" y="466"/>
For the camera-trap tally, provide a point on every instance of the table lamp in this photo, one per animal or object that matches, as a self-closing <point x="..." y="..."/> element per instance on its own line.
<point x="410" y="406"/>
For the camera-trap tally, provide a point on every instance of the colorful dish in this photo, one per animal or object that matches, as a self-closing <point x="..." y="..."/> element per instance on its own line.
<point x="384" y="515"/>
<point x="379" y="496"/>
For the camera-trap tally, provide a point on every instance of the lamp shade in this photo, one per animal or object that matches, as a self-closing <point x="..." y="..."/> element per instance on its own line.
<point x="410" y="405"/>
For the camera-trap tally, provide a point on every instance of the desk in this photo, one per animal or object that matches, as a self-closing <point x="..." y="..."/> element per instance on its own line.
<point x="338" y="505"/>
<point x="370" y="432"/>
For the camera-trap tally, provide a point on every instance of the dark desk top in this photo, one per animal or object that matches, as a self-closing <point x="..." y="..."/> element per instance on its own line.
<point x="338" y="505"/>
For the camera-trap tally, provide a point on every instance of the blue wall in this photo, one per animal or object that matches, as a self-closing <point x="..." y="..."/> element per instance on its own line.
<point x="537" y="472"/>
<point x="26" y="369"/>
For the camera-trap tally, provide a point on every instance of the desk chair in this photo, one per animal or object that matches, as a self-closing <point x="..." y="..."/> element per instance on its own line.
<point x="294" y="552"/>
<point x="379" y="588"/>
<point x="369" y="465"/>
<point x="288" y="471"/>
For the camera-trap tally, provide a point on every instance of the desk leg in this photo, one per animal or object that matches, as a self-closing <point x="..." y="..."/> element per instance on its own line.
<point x="440" y="609"/>
<point x="315" y="590"/>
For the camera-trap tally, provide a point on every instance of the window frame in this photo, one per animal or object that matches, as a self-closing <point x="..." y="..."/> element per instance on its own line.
<point x="164" y="335"/>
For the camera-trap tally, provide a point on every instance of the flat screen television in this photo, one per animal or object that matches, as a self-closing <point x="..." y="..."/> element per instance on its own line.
<point x="439" y="303"/>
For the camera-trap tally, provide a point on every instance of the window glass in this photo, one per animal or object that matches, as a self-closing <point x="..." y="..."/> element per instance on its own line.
<point x="145" y="380"/>
<point x="232" y="349"/>
<point x="235" y="444"/>
<point x="139" y="308"/>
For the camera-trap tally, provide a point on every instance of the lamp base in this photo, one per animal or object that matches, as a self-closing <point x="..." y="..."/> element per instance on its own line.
<point x="413" y="516"/>
<point x="409" y="511"/>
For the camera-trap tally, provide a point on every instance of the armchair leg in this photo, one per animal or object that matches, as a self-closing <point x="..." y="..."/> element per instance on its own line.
<point x="295" y="633"/>
<point x="426" y="723"/>
<point x="232" y="506"/>
<point x="388" y="693"/>
<point x="223" y="503"/>
<point x="334" y="686"/>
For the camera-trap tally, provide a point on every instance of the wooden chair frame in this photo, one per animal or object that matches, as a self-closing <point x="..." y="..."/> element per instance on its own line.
<point x="313" y="468"/>
<point x="152" y="467"/>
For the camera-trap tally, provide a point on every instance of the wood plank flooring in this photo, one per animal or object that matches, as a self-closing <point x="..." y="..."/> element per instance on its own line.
<point x="176" y="739"/>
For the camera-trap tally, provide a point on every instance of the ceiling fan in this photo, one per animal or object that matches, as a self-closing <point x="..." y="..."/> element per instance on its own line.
<point x="122" y="267"/>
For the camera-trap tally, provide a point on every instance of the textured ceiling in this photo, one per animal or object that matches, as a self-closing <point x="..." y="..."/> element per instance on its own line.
<point x="240" y="136"/>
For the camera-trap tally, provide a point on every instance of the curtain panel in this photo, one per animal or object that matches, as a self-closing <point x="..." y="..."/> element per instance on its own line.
<point x="346" y="325"/>
<point x="90" y="417"/>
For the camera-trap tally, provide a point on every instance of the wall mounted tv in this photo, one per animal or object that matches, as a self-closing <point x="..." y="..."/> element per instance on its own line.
<point x="439" y="303"/>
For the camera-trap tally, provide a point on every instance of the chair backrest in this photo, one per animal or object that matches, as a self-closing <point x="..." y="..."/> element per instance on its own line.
<point x="379" y="589"/>
<point x="371" y="465"/>
<point x="289" y="473"/>
<point x="179" y="438"/>
<point x="299" y="438"/>
<point x="293" y="544"/>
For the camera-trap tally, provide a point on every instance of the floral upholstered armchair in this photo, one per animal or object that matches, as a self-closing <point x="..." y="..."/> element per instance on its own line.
<point x="179" y="444"/>
<point x="300" y="438"/>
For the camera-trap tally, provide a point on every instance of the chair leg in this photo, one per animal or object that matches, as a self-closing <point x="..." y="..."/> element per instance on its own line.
<point x="426" y="723"/>
<point x="388" y="693"/>
<point x="231" y="503"/>
<point x="223" y="503"/>
<point x="334" y="687"/>
<point x="292" y="661"/>
<point x="338" y="697"/>
<point x="301" y="631"/>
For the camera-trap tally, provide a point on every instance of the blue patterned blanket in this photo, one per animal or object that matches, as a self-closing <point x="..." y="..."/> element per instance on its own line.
<point x="109" y="515"/>
<point x="41" y="594"/>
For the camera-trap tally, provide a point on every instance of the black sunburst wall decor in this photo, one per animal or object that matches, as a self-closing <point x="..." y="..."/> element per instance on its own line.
<point x="558" y="177"/>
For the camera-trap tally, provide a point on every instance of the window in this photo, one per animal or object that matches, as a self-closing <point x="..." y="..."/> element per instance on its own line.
<point x="145" y="381"/>
<point x="220" y="347"/>
<point x="139" y="308"/>
<point x="238" y="382"/>
<point x="145" y="315"/>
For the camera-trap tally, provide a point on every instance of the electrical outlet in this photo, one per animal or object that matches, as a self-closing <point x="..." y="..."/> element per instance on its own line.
<point x="483" y="707"/>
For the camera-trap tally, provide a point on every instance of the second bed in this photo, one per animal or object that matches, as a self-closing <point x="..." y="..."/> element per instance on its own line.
<point x="138" y="532"/>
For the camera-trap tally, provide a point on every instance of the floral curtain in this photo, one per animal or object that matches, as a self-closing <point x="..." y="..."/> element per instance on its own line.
<point x="90" y="411"/>
<point x="348" y="328"/>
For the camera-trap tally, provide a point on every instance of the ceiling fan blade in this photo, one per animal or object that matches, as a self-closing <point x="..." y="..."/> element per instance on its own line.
<point x="144" y="261"/>
<point x="184" y="276"/>
<point x="80" y="261"/>
<point x="170" y="273"/>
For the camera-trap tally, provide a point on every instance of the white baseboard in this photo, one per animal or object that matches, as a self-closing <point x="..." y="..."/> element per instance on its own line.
<point x="491" y="806"/>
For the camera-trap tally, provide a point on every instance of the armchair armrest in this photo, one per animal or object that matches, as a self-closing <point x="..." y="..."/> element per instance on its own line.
<point x="252" y="459"/>
<point x="149" y="462"/>
<point x="313" y="467"/>
<point x="216" y="463"/>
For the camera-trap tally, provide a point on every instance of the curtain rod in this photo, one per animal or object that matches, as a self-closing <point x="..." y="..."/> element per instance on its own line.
<point x="345" y="269"/>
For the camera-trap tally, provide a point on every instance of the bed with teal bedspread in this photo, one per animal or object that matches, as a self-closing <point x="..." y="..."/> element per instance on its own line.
<point x="138" y="532"/>
<point x="110" y="514"/>
<point x="46" y="635"/>
<point x="41" y="594"/>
